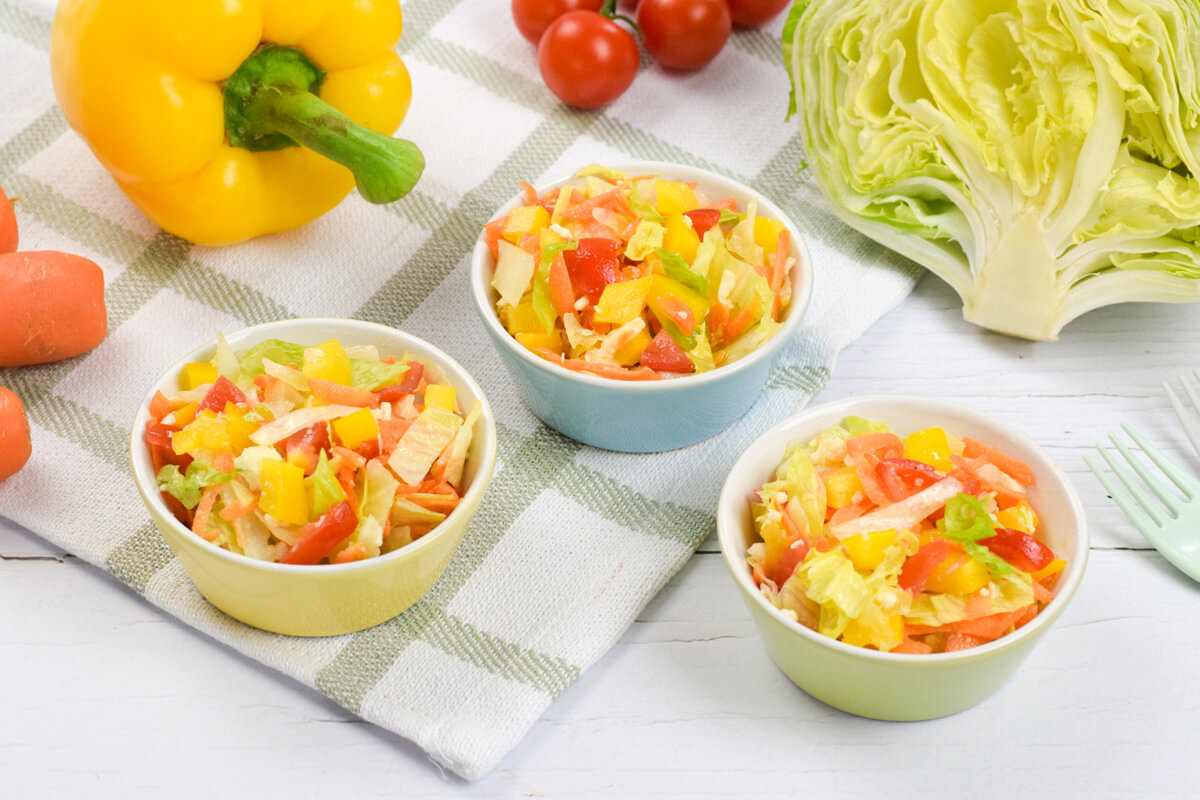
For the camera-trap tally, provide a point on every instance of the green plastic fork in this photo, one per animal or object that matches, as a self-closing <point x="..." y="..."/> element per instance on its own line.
<point x="1172" y="525"/>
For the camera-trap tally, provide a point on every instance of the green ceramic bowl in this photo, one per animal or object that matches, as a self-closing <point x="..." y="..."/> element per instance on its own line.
<point x="885" y="685"/>
<point x="328" y="599"/>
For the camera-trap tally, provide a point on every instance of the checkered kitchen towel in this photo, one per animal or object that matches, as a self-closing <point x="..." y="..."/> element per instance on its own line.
<point x="570" y="542"/>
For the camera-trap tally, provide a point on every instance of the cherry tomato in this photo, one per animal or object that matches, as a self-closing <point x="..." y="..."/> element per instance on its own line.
<point x="534" y="16"/>
<point x="587" y="60"/>
<point x="684" y="34"/>
<point x="755" y="12"/>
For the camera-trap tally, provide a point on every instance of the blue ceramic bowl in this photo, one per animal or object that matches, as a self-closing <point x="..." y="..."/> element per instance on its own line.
<point x="649" y="416"/>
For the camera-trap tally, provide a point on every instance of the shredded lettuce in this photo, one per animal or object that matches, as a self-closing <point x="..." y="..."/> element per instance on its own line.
<point x="374" y="375"/>
<point x="423" y="442"/>
<point x="677" y="269"/>
<point x="647" y="237"/>
<point x="277" y="350"/>
<point x="187" y="486"/>
<point x="966" y="522"/>
<point x="323" y="488"/>
<point x="377" y="492"/>
<point x="642" y="207"/>
<point x="514" y="271"/>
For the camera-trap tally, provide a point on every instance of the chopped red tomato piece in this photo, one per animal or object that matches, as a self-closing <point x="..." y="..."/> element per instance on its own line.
<point x="703" y="219"/>
<point x="920" y="565"/>
<point x="594" y="264"/>
<point x="222" y="392"/>
<point x="664" y="355"/>
<point x="1019" y="549"/>
<point x="903" y="477"/>
<point x="319" y="538"/>
<point x="407" y="385"/>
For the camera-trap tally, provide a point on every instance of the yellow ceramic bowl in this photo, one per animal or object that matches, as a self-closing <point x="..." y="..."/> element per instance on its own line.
<point x="332" y="599"/>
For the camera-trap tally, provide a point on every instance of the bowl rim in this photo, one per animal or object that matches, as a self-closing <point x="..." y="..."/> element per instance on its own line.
<point x="797" y="309"/>
<point x="728" y="529"/>
<point x="139" y="457"/>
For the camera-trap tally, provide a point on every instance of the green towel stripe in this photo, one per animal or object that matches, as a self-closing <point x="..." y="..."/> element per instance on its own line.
<point x="137" y="559"/>
<point x="421" y="210"/>
<point x="629" y="508"/>
<point x="32" y="139"/>
<point x="546" y="673"/>
<point x="82" y="426"/>
<point x="25" y="26"/>
<point x="492" y="75"/>
<point x="367" y="656"/>
<point x="807" y="378"/>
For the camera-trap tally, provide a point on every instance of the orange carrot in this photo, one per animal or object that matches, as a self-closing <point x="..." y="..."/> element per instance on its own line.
<point x="1015" y="467"/>
<point x="562" y="294"/>
<point x="986" y="628"/>
<point x="354" y="553"/>
<point x="390" y="431"/>
<point x="51" y="307"/>
<point x="601" y="370"/>
<point x="531" y="195"/>
<point x="15" y="447"/>
<point x="200" y="521"/>
<point x="718" y="317"/>
<point x="330" y="393"/>
<point x="242" y="509"/>
<point x="8" y="225"/>
<point x="583" y="209"/>
<point x="911" y="646"/>
<point x="779" y="271"/>
<point x="223" y="461"/>
<point x="742" y="320"/>
<point x="962" y="641"/>
<point x="492" y="233"/>
<point x="758" y="575"/>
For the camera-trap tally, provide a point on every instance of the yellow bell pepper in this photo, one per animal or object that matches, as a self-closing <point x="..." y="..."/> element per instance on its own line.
<point x="328" y="362"/>
<point x="623" y="301"/>
<point x="521" y="318"/>
<point x="169" y="96"/>
<point x="284" y="496"/>
<point x="197" y="375"/>
<point x="958" y="573"/>
<point x="354" y="429"/>
<point x="524" y="220"/>
<point x="440" y="394"/>
<point x="929" y="446"/>
<point x="1020" y="517"/>
<point x="866" y="549"/>
<point x="681" y="238"/>
<point x="674" y="197"/>
<point x="842" y="485"/>
<point x="540" y="340"/>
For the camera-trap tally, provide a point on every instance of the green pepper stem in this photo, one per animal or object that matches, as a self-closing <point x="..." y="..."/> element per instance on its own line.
<point x="385" y="169"/>
<point x="271" y="103"/>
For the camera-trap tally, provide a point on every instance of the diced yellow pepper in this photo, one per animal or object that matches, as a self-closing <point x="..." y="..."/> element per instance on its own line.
<point x="205" y="432"/>
<point x="327" y="362"/>
<point x="959" y="574"/>
<point x="594" y="186"/>
<point x="929" y="446"/>
<point x="766" y="233"/>
<point x="661" y="286"/>
<point x="547" y="236"/>
<point x="283" y="494"/>
<point x="523" y="220"/>
<point x="841" y="487"/>
<point x="1053" y="568"/>
<point x="185" y="414"/>
<point x="866" y="549"/>
<point x="566" y="197"/>
<point x="681" y="238"/>
<point x="673" y="197"/>
<point x="197" y="375"/>
<point x="238" y="428"/>
<point x="630" y="353"/>
<point x="855" y="634"/>
<point x="521" y="318"/>
<point x="439" y="394"/>
<point x="1020" y="517"/>
<point x="623" y="301"/>
<point x="354" y="429"/>
<point x="541" y="340"/>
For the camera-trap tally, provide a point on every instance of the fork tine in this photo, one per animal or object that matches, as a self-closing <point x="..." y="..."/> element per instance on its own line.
<point x="1186" y="483"/>
<point x="1156" y="484"/>
<point x="1191" y="422"/>
<point x="1140" y="520"/>
<point x="1135" y="491"/>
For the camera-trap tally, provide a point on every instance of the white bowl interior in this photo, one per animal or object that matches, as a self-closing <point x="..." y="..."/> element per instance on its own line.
<point x="714" y="186"/>
<point x="389" y="341"/>
<point x="1063" y="523"/>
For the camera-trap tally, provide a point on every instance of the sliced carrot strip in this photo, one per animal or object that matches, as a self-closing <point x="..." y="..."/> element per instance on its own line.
<point x="1015" y="467"/>
<point x="911" y="646"/>
<point x="242" y="509"/>
<point x="562" y="293"/>
<point x="962" y="641"/>
<point x="603" y="370"/>
<point x="203" y="510"/>
<point x="531" y="195"/>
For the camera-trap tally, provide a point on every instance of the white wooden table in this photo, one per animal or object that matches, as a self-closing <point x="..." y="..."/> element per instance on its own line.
<point x="101" y="695"/>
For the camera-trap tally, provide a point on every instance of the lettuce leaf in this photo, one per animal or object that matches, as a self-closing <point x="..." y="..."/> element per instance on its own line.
<point x="374" y="375"/>
<point x="186" y="487"/>
<point x="277" y="350"/>
<point x="323" y="488"/>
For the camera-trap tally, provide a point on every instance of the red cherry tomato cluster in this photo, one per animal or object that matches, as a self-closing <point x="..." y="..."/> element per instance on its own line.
<point x="587" y="60"/>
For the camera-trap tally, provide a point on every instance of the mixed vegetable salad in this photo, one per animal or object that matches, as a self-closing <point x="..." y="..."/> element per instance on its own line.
<point x="923" y="544"/>
<point x="638" y="277"/>
<point x="307" y="455"/>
